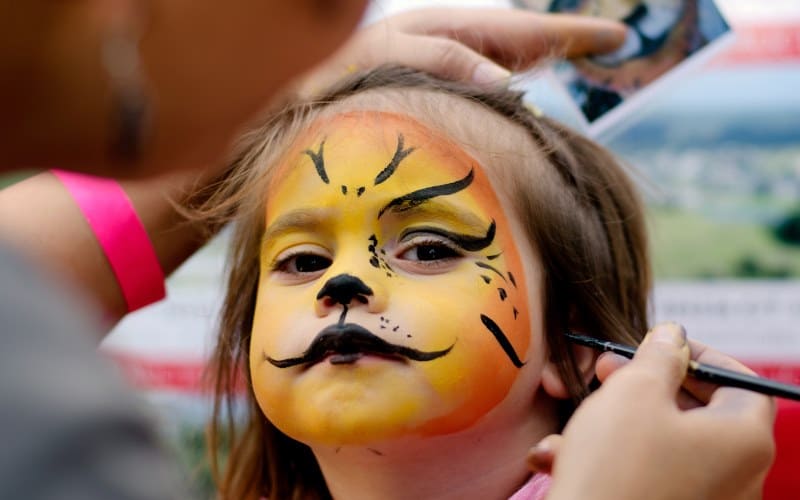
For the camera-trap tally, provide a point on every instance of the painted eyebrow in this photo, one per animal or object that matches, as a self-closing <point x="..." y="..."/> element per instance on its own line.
<point x="300" y="219"/>
<point x="420" y="196"/>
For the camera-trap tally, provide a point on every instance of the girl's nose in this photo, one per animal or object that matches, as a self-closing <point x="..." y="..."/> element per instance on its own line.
<point x="345" y="290"/>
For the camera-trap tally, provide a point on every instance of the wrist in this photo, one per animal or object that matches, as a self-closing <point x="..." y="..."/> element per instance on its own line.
<point x="121" y="236"/>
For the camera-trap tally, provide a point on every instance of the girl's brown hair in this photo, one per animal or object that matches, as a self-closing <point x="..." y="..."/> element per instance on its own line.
<point x="579" y="210"/>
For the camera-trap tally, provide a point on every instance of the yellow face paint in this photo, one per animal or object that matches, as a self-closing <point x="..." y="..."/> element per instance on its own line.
<point x="392" y="299"/>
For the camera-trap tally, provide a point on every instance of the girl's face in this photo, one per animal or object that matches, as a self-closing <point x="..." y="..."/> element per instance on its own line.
<point x="392" y="299"/>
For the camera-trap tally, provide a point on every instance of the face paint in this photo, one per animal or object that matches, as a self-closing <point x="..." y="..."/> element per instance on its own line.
<point x="387" y="304"/>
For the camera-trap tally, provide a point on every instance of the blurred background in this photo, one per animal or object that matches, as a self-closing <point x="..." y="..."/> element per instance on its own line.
<point x="717" y="152"/>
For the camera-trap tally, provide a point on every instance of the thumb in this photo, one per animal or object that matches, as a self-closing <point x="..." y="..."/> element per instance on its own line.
<point x="664" y="354"/>
<point x="608" y="363"/>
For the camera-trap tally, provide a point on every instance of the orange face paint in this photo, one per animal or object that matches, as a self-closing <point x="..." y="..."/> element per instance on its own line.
<point x="392" y="299"/>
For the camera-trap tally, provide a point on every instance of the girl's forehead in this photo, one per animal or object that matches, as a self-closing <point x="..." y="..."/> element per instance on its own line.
<point x="368" y="146"/>
<point x="379" y="131"/>
<point x="373" y="124"/>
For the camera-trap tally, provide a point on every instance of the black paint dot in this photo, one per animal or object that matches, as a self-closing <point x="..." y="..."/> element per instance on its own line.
<point x="503" y="294"/>
<point x="395" y="328"/>
<point x="360" y="191"/>
<point x="373" y="239"/>
<point x="344" y="189"/>
<point x="383" y="252"/>
<point x="374" y="262"/>
<point x="408" y="335"/>
<point x="511" y="279"/>
<point x="371" y="248"/>
<point x="515" y="313"/>
<point x="486" y="279"/>
<point x="389" y="275"/>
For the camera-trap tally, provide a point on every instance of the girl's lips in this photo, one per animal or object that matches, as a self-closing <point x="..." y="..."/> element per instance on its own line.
<point x="350" y="358"/>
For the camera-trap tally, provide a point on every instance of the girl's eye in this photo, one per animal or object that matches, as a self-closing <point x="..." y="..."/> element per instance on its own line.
<point x="309" y="263"/>
<point x="302" y="263"/>
<point x="430" y="252"/>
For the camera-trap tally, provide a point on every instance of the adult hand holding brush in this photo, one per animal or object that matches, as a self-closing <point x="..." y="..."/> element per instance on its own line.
<point x="666" y="430"/>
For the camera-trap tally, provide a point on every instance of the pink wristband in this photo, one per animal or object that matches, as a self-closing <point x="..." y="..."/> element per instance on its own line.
<point x="121" y="235"/>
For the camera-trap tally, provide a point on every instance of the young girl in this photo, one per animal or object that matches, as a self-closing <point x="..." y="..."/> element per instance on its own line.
<point x="407" y="256"/>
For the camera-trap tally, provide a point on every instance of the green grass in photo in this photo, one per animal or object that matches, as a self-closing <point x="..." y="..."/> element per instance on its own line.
<point x="689" y="245"/>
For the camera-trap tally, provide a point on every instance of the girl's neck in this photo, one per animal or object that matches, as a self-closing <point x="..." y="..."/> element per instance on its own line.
<point x="486" y="461"/>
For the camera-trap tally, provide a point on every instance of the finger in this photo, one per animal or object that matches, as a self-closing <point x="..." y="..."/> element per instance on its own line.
<point x="702" y="353"/>
<point x="663" y="358"/>
<point x="697" y="393"/>
<point x="608" y="363"/>
<point x="708" y="355"/>
<point x="748" y="419"/>
<point x="687" y="401"/>
<point x="542" y="456"/>
<point x="516" y="38"/>
<point x="729" y="399"/>
<point x="446" y="58"/>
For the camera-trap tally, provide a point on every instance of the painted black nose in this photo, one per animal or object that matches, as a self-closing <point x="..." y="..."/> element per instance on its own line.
<point x="344" y="288"/>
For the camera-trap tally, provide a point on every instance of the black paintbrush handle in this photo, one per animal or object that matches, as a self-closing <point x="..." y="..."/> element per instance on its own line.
<point x="730" y="378"/>
<point x="701" y="371"/>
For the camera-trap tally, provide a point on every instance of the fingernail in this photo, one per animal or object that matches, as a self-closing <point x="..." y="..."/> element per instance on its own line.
<point x="540" y="457"/>
<point x="542" y="446"/>
<point x="609" y="38"/>
<point x="669" y="333"/>
<point x="488" y="74"/>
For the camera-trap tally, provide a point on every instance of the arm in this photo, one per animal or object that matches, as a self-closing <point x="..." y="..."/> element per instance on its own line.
<point x="39" y="216"/>
<point x="638" y="437"/>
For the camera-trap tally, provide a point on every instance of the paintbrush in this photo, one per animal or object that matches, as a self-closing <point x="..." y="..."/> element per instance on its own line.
<point x="701" y="371"/>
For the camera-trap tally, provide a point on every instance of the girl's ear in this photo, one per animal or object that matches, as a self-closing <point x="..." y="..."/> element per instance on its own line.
<point x="552" y="382"/>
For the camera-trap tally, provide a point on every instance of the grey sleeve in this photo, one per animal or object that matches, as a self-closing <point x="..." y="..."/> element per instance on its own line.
<point x="69" y="427"/>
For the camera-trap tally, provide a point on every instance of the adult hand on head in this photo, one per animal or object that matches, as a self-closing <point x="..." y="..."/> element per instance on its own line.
<point x="478" y="45"/>
<point x="641" y="436"/>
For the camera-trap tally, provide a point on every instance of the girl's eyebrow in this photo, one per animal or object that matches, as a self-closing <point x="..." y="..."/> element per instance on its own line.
<point x="420" y="196"/>
<point x="299" y="219"/>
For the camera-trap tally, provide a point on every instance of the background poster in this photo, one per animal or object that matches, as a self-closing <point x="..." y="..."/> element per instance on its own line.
<point x="665" y="38"/>
<point x="717" y="152"/>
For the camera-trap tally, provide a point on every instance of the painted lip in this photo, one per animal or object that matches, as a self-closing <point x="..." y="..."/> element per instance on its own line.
<point x="349" y="342"/>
